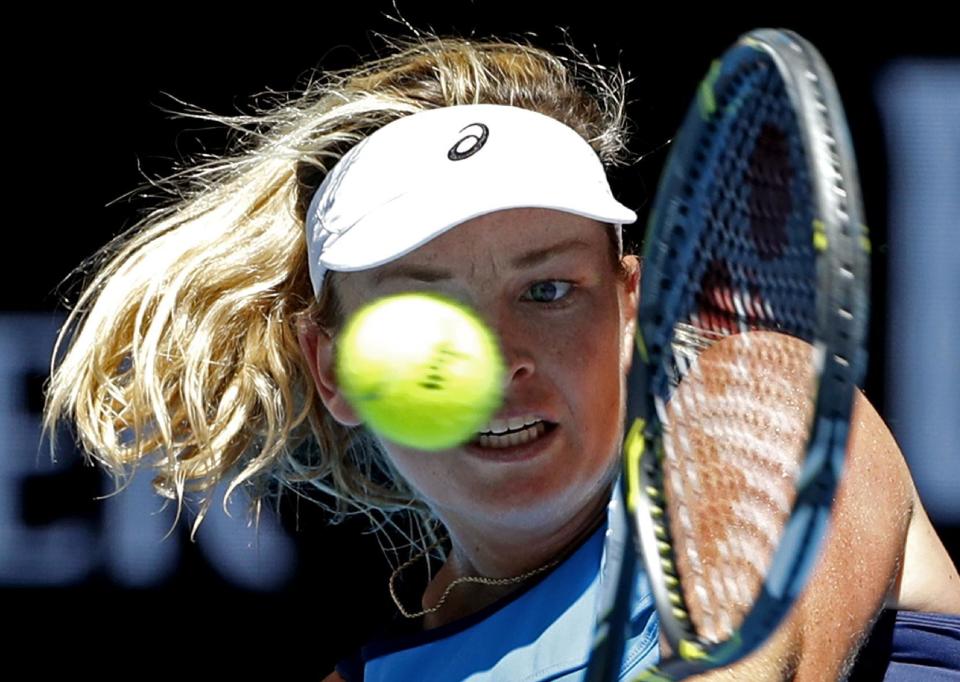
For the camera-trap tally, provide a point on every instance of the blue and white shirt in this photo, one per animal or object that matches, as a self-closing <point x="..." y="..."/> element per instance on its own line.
<point x="542" y="632"/>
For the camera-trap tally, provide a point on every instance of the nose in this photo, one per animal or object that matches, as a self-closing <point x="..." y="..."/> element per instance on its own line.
<point x="513" y="334"/>
<point x="519" y="365"/>
<point x="518" y="358"/>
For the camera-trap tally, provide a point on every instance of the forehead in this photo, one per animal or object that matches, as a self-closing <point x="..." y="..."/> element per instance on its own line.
<point x="511" y="234"/>
<point x="488" y="248"/>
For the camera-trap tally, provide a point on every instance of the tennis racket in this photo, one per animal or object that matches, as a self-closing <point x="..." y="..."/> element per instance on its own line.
<point x="750" y="345"/>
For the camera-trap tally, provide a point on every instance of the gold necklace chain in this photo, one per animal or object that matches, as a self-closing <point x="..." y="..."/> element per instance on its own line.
<point x="483" y="580"/>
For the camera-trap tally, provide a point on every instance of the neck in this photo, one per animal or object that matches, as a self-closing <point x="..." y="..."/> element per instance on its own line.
<point x="513" y="558"/>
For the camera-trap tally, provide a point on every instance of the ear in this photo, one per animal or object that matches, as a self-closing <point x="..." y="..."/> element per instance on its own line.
<point x="318" y="347"/>
<point x="631" y="297"/>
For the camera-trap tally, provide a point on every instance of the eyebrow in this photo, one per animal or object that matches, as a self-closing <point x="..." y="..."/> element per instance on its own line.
<point x="530" y="259"/>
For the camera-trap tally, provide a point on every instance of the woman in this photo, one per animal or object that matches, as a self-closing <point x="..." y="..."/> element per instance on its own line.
<point x="204" y="347"/>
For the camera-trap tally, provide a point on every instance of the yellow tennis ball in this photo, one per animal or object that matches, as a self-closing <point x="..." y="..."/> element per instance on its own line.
<point x="420" y="369"/>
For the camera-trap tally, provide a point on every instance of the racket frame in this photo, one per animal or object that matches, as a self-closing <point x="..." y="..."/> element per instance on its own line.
<point x="842" y="271"/>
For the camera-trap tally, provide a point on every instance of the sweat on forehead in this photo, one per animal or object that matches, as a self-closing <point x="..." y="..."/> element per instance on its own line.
<point x="420" y="175"/>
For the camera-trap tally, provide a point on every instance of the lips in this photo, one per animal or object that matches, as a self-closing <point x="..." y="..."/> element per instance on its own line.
<point x="510" y="424"/>
<point x="513" y="446"/>
<point x="528" y="431"/>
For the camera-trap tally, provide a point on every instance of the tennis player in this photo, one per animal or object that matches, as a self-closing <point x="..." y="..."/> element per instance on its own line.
<point x="479" y="169"/>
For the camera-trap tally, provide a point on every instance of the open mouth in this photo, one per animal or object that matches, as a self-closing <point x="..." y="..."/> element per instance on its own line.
<point x="514" y="437"/>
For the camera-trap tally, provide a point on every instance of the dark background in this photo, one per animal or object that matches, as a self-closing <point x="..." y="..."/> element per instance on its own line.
<point x="85" y="103"/>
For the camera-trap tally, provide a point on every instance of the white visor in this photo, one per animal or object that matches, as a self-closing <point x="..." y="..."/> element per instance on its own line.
<point x="417" y="177"/>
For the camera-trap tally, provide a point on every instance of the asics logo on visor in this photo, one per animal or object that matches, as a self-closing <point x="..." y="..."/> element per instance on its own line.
<point x="470" y="144"/>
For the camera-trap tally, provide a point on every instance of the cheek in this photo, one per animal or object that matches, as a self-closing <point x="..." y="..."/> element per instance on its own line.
<point x="413" y="466"/>
<point x="428" y="473"/>
<point x="600" y="344"/>
<point x="594" y="379"/>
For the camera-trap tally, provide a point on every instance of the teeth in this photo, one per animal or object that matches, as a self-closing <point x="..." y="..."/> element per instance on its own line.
<point x="518" y="438"/>
<point x="498" y="426"/>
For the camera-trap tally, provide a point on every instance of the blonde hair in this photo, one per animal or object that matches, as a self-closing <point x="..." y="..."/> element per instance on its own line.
<point x="183" y="353"/>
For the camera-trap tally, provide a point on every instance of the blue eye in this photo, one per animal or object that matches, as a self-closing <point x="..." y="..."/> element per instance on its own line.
<point x="550" y="291"/>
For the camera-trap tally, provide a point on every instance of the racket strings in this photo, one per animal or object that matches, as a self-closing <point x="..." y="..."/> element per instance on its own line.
<point x="734" y="434"/>
<point x="758" y="275"/>
<point x="735" y="414"/>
